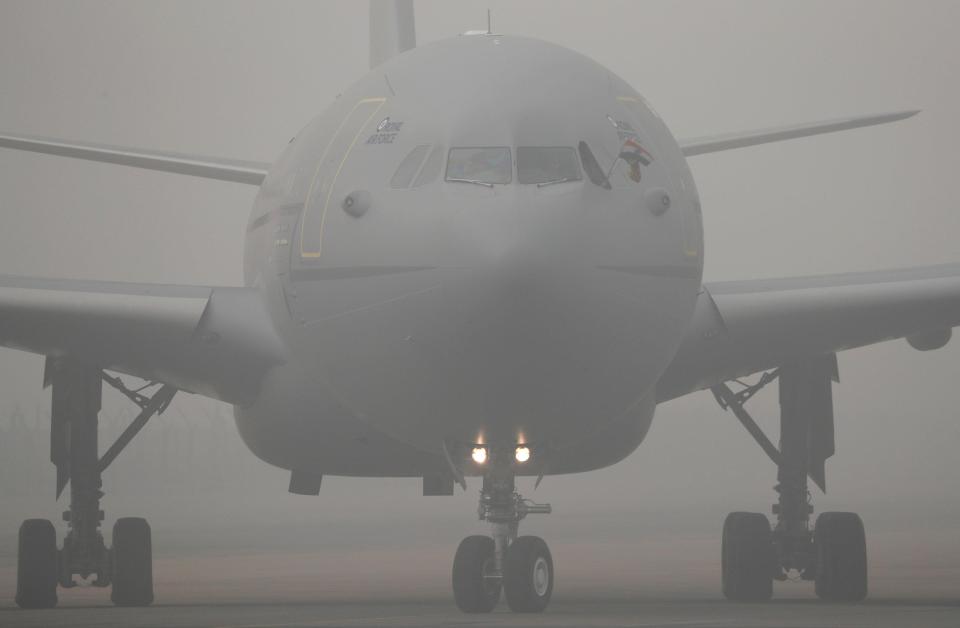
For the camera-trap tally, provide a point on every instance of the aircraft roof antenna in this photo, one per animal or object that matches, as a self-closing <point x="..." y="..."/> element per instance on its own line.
<point x="489" y="30"/>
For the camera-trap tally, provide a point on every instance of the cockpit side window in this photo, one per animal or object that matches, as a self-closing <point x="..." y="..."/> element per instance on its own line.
<point x="594" y="172"/>
<point x="431" y="168"/>
<point x="547" y="164"/>
<point x="409" y="167"/>
<point x="483" y="165"/>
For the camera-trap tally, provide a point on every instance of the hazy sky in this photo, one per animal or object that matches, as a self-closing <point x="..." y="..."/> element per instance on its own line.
<point x="238" y="79"/>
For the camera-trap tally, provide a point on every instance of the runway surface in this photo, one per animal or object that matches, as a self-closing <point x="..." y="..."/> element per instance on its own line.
<point x="391" y="572"/>
<point x="570" y="612"/>
<point x="673" y="585"/>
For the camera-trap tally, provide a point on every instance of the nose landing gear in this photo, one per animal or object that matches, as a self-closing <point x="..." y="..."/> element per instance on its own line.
<point x="519" y="566"/>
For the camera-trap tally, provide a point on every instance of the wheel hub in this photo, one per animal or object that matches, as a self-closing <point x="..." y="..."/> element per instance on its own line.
<point x="541" y="577"/>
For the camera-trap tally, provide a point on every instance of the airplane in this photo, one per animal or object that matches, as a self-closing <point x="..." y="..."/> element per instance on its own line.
<point x="483" y="260"/>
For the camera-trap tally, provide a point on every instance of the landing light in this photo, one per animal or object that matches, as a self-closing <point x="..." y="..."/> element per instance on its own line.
<point x="479" y="455"/>
<point x="522" y="453"/>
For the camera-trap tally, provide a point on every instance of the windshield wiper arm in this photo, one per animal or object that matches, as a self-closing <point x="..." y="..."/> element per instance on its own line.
<point x="553" y="182"/>
<point x="473" y="181"/>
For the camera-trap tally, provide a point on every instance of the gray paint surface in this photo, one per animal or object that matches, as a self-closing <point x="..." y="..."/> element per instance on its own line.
<point x="818" y="205"/>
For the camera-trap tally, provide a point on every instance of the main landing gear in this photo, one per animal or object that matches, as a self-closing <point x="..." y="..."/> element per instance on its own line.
<point x="128" y="565"/>
<point x="519" y="566"/>
<point x="833" y="553"/>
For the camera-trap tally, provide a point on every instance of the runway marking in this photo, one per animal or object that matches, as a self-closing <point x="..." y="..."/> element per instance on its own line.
<point x="684" y="622"/>
<point x="466" y="621"/>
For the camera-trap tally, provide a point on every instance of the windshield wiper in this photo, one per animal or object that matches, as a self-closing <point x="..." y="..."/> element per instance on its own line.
<point x="473" y="181"/>
<point x="553" y="182"/>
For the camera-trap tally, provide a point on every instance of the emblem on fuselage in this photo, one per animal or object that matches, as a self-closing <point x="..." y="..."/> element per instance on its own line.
<point x="387" y="131"/>
<point x="635" y="155"/>
<point x="631" y="150"/>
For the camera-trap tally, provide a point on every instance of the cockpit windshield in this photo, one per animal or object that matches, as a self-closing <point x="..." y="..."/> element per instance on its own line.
<point x="547" y="164"/>
<point x="480" y="165"/>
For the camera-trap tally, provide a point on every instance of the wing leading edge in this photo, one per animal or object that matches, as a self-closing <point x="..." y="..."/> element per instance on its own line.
<point x="213" y="341"/>
<point x="715" y="143"/>
<point x="248" y="172"/>
<point x="744" y="327"/>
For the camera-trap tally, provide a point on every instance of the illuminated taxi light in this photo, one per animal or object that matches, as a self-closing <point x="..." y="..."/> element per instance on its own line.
<point x="479" y="455"/>
<point x="522" y="453"/>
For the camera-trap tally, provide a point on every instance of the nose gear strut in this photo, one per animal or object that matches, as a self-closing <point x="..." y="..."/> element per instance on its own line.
<point x="504" y="508"/>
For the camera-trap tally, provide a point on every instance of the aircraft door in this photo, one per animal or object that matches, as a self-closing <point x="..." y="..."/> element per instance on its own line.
<point x="307" y="296"/>
<point x="320" y="195"/>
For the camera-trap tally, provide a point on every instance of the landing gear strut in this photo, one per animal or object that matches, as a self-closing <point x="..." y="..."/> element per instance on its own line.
<point x="76" y="391"/>
<point x="520" y="566"/>
<point x="833" y="553"/>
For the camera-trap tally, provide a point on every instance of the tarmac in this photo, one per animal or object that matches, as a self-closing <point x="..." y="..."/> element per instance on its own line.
<point x="283" y="575"/>
<point x="410" y="587"/>
<point x="676" y="612"/>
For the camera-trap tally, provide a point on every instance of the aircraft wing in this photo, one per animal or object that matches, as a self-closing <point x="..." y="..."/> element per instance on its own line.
<point x="743" y="327"/>
<point x="214" y="341"/>
<point x="728" y="141"/>
<point x="249" y="172"/>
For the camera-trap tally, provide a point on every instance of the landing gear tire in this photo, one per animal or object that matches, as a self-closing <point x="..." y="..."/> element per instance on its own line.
<point x="528" y="575"/>
<point x="747" y="557"/>
<point x="37" y="565"/>
<point x="132" y="563"/>
<point x="473" y="589"/>
<point x="841" y="547"/>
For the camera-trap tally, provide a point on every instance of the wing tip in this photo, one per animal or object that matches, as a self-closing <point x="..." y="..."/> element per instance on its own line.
<point x="900" y="115"/>
<point x="702" y="145"/>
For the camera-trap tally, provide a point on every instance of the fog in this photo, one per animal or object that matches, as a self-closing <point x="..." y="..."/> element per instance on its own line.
<point x="238" y="79"/>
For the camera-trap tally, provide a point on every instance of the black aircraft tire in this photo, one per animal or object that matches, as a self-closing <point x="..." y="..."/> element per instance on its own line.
<point x="472" y="592"/>
<point x="132" y="563"/>
<point x="841" y="547"/>
<point x="37" y="565"/>
<point x="747" y="557"/>
<point x="528" y="575"/>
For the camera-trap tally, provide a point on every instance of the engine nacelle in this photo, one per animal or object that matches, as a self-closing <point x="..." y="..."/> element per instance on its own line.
<point x="928" y="341"/>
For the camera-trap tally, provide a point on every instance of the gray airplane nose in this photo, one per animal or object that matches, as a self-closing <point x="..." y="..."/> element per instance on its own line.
<point x="516" y="257"/>
<point x="509" y="275"/>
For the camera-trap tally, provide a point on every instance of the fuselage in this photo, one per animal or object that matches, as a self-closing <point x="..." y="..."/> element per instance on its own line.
<point x="489" y="239"/>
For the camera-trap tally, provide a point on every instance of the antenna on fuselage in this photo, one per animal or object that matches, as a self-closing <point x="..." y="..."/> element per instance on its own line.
<point x="489" y="30"/>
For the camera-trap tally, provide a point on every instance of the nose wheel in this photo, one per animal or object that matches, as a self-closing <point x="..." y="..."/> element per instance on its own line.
<point x="528" y="575"/>
<point x="476" y="583"/>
